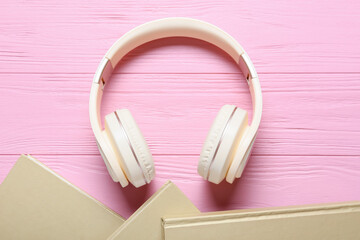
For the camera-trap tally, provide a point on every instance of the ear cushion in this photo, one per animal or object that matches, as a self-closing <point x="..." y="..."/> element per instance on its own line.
<point x="213" y="139"/>
<point x="111" y="162"/>
<point x="123" y="150"/>
<point x="222" y="141"/>
<point x="139" y="144"/>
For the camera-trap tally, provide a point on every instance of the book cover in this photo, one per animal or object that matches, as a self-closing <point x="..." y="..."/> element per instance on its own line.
<point x="326" y="221"/>
<point x="145" y="223"/>
<point x="36" y="203"/>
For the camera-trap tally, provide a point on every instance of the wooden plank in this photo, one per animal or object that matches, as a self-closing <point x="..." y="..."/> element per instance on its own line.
<point x="304" y="114"/>
<point x="307" y="55"/>
<point x="267" y="181"/>
<point x="296" y="36"/>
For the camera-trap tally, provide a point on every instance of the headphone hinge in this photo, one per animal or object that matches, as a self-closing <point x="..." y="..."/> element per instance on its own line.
<point x="103" y="72"/>
<point x="246" y="67"/>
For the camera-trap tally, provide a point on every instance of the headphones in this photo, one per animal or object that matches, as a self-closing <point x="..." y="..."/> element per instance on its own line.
<point x="230" y="140"/>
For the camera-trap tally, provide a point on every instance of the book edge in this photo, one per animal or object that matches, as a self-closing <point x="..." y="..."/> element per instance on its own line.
<point x="231" y="216"/>
<point x="140" y="209"/>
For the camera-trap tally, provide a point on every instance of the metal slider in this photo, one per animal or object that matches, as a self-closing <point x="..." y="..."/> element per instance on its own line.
<point x="247" y="67"/>
<point x="103" y="72"/>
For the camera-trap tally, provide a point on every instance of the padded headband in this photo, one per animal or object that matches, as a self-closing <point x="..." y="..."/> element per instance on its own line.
<point x="174" y="27"/>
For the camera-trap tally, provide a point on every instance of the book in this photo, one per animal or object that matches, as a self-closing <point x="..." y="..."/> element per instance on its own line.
<point x="36" y="203"/>
<point x="145" y="223"/>
<point x="327" y="221"/>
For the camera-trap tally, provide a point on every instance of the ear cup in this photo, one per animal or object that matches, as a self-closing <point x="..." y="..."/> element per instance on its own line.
<point x="139" y="144"/>
<point x="224" y="136"/>
<point x="213" y="139"/>
<point x="130" y="147"/>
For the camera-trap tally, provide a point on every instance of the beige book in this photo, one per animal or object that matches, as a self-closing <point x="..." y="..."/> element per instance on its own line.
<point x="145" y="223"/>
<point x="36" y="203"/>
<point x="328" y="221"/>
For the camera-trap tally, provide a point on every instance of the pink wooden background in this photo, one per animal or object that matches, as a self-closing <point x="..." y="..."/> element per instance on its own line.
<point x="307" y="54"/>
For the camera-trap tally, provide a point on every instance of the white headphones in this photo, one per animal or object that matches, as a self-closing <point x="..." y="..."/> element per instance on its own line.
<point x="229" y="142"/>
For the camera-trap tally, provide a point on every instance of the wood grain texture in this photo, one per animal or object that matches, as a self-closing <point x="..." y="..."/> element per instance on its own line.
<point x="307" y="56"/>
